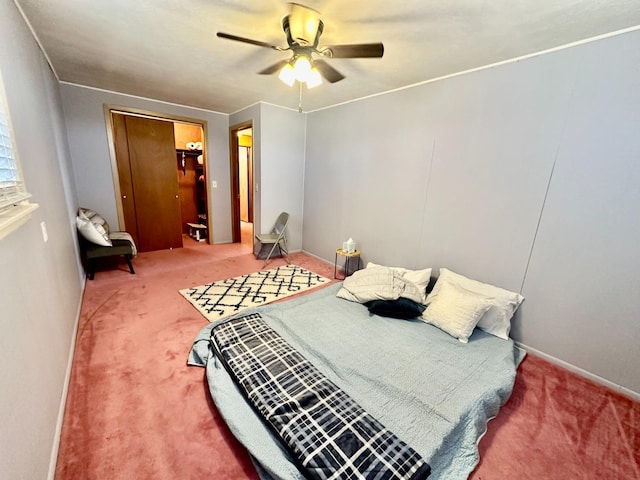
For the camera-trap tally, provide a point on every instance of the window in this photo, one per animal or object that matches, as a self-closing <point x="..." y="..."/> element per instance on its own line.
<point x="14" y="208"/>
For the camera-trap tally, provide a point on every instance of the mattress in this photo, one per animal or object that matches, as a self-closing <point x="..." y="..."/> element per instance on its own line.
<point x="432" y="391"/>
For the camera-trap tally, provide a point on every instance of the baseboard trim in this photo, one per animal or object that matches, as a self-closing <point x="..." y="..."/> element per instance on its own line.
<point x="317" y="257"/>
<point x="65" y="390"/>
<point x="635" y="396"/>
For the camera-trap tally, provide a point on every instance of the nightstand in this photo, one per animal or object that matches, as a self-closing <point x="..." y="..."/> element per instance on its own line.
<point x="349" y="259"/>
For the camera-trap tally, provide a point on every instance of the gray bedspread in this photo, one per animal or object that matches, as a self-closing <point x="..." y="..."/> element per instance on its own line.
<point x="432" y="391"/>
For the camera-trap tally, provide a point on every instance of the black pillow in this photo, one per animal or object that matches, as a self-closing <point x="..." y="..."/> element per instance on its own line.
<point x="400" y="308"/>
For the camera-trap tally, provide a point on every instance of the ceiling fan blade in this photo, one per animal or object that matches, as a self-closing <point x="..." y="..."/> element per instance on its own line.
<point x="328" y="72"/>
<point x="363" y="50"/>
<point x="246" y="40"/>
<point x="276" y="67"/>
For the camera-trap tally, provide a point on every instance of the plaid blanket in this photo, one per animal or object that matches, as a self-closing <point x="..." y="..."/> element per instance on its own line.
<point x="326" y="431"/>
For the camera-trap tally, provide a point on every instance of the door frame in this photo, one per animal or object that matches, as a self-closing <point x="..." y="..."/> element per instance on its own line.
<point x="234" y="160"/>
<point x="108" y="109"/>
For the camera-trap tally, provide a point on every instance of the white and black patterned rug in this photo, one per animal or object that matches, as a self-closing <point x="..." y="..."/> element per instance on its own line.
<point x="228" y="297"/>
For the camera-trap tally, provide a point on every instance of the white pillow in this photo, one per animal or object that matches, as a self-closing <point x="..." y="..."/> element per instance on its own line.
<point x="95" y="233"/>
<point x="456" y="311"/>
<point x="420" y="277"/>
<point x="497" y="320"/>
<point x="378" y="283"/>
<point x="95" y="218"/>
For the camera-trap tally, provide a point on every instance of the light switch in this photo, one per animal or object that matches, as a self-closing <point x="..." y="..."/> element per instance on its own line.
<point x="43" y="227"/>
<point x="214" y="184"/>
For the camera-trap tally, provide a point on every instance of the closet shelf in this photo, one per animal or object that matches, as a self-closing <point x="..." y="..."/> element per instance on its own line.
<point x="189" y="152"/>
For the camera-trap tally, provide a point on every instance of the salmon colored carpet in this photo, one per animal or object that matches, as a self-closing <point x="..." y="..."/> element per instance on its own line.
<point x="136" y="411"/>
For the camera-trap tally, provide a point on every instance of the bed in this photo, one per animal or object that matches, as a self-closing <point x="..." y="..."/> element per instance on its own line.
<point x="433" y="391"/>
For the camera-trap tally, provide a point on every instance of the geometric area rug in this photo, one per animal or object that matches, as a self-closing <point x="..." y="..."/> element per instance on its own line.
<point x="227" y="297"/>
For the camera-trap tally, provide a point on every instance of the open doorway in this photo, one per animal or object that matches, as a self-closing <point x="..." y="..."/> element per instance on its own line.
<point x="241" y="147"/>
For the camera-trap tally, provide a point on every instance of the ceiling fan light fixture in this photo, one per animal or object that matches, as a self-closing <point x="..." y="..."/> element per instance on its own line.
<point x="303" y="24"/>
<point x="288" y="74"/>
<point x="302" y="70"/>
<point x="314" y="78"/>
<point x="302" y="67"/>
<point x="303" y="28"/>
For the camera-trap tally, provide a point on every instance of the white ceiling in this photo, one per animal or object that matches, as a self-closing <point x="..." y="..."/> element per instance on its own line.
<point x="168" y="50"/>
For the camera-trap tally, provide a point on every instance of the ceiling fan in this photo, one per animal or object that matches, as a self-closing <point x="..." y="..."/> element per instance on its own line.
<point x="303" y="28"/>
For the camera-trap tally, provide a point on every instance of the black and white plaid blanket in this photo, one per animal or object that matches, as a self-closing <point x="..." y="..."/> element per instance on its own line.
<point x="329" y="434"/>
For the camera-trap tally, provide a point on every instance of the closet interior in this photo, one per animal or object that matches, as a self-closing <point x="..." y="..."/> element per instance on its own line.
<point x="192" y="179"/>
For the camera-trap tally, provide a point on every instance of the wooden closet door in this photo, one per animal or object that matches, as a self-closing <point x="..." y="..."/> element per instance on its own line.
<point x="127" y="197"/>
<point x="152" y="157"/>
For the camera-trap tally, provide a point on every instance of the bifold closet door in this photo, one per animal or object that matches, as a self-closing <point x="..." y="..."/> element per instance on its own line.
<point x="150" y="196"/>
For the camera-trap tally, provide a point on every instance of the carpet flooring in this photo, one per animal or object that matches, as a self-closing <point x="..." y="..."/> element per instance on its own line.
<point x="136" y="411"/>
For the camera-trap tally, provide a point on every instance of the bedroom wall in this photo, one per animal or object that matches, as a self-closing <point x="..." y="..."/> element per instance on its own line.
<point x="282" y="172"/>
<point x="252" y="113"/>
<point x="278" y="149"/>
<point x="89" y="145"/>
<point x="455" y="173"/>
<point x="40" y="282"/>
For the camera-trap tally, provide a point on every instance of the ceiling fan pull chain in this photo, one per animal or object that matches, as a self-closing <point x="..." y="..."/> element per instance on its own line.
<point x="300" y="100"/>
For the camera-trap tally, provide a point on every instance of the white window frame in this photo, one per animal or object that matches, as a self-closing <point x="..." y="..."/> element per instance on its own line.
<point x="15" y="208"/>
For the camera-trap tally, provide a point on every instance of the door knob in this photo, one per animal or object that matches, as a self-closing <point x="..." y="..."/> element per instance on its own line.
<point x="124" y="196"/>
